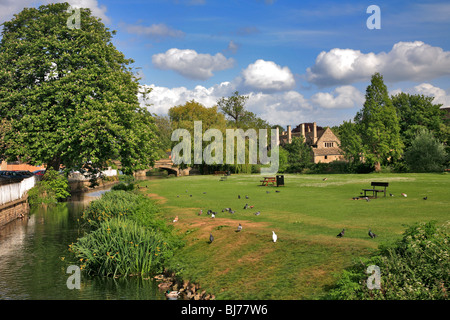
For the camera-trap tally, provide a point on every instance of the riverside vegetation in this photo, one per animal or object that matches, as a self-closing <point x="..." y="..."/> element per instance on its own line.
<point x="125" y="236"/>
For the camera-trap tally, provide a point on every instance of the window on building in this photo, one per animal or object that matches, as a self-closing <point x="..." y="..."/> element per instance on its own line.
<point x="329" y="144"/>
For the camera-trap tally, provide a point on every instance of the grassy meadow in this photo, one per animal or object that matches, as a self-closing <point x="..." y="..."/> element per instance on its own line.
<point x="306" y="214"/>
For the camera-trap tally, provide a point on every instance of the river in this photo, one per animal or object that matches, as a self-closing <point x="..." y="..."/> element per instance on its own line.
<point x="34" y="258"/>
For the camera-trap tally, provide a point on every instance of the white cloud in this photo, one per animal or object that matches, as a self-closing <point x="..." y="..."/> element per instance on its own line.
<point x="440" y="96"/>
<point x="154" y="31"/>
<point x="191" y="64"/>
<point x="277" y="108"/>
<point x="268" y="76"/>
<point x="341" y="98"/>
<point x="10" y="7"/>
<point x="407" y="61"/>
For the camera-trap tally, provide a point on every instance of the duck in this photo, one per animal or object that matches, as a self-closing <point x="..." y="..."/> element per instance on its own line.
<point x="172" y="294"/>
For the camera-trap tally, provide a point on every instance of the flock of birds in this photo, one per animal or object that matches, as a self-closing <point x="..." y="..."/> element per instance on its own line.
<point x="257" y="213"/>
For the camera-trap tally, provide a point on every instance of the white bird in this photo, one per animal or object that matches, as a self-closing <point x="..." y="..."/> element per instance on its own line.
<point x="239" y="228"/>
<point x="213" y="215"/>
<point x="274" y="236"/>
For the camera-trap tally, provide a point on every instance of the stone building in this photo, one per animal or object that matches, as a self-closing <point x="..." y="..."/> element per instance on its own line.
<point x="324" y="143"/>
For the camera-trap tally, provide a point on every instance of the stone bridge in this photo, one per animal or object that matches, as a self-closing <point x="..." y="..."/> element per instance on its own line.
<point x="167" y="164"/>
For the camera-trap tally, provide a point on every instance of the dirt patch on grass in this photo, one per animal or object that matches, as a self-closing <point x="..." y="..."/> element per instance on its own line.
<point x="157" y="197"/>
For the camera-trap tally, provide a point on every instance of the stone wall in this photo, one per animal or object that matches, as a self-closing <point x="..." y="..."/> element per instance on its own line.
<point x="13" y="210"/>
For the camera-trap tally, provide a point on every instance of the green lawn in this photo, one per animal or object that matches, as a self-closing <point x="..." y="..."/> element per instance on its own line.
<point x="306" y="214"/>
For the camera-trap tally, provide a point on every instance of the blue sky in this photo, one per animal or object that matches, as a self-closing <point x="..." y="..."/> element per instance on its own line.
<point x="299" y="61"/>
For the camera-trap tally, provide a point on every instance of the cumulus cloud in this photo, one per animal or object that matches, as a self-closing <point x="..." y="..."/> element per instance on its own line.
<point x="341" y="98"/>
<point x="426" y="89"/>
<point x="191" y="64"/>
<point x="407" y="61"/>
<point x="281" y="108"/>
<point x="10" y="7"/>
<point x="268" y="76"/>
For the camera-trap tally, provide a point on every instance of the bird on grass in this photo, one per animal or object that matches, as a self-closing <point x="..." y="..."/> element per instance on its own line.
<point x="391" y="194"/>
<point x="246" y="197"/>
<point x="371" y="234"/>
<point x="367" y="199"/>
<point x="267" y="191"/>
<point x="211" y="238"/>
<point x="274" y="236"/>
<point x="200" y="212"/>
<point x="213" y="215"/>
<point x="176" y="219"/>
<point x="425" y="198"/>
<point x="239" y="228"/>
<point x="251" y="207"/>
<point x="246" y="206"/>
<point x="232" y="211"/>
<point x="239" y="196"/>
<point x="341" y="234"/>
<point x="277" y="191"/>
<point x="325" y="179"/>
<point x="257" y="213"/>
<point x="404" y="194"/>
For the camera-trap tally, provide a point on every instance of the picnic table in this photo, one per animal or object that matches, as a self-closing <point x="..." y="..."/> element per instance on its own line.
<point x="268" y="180"/>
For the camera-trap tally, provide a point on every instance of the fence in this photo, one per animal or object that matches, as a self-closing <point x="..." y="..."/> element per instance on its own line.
<point x="14" y="191"/>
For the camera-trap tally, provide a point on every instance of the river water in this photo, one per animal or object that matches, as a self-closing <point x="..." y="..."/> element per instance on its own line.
<point x="34" y="258"/>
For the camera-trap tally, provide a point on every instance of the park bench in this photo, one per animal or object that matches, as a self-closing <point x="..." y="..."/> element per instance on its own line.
<point x="223" y="173"/>
<point x="374" y="190"/>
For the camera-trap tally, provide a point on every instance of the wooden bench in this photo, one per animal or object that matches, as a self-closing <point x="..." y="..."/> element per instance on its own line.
<point x="374" y="190"/>
<point x="268" y="180"/>
<point x="223" y="173"/>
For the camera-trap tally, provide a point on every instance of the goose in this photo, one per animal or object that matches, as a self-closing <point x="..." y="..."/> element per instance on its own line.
<point x="274" y="236"/>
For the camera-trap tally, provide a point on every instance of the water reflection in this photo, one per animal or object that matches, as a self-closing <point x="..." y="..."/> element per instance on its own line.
<point x="34" y="258"/>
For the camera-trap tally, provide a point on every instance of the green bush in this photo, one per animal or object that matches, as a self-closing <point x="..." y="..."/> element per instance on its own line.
<point x="415" y="268"/>
<point x="52" y="188"/>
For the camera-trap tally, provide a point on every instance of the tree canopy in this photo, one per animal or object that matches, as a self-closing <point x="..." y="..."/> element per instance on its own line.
<point x="68" y="95"/>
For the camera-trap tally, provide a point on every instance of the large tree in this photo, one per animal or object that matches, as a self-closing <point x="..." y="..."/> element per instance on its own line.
<point x="233" y="108"/>
<point x="418" y="112"/>
<point x="69" y="96"/>
<point x="378" y="125"/>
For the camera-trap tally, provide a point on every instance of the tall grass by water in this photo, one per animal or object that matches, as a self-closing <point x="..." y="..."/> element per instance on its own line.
<point x="126" y="236"/>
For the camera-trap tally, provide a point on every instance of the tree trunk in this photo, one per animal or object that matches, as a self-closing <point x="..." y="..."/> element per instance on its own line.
<point x="377" y="166"/>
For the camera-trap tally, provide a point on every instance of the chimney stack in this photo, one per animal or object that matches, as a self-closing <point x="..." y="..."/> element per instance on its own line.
<point x="315" y="133"/>
<point x="289" y="134"/>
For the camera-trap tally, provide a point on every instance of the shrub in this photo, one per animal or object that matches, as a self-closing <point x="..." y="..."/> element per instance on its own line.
<point x="52" y="188"/>
<point x="415" y="268"/>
